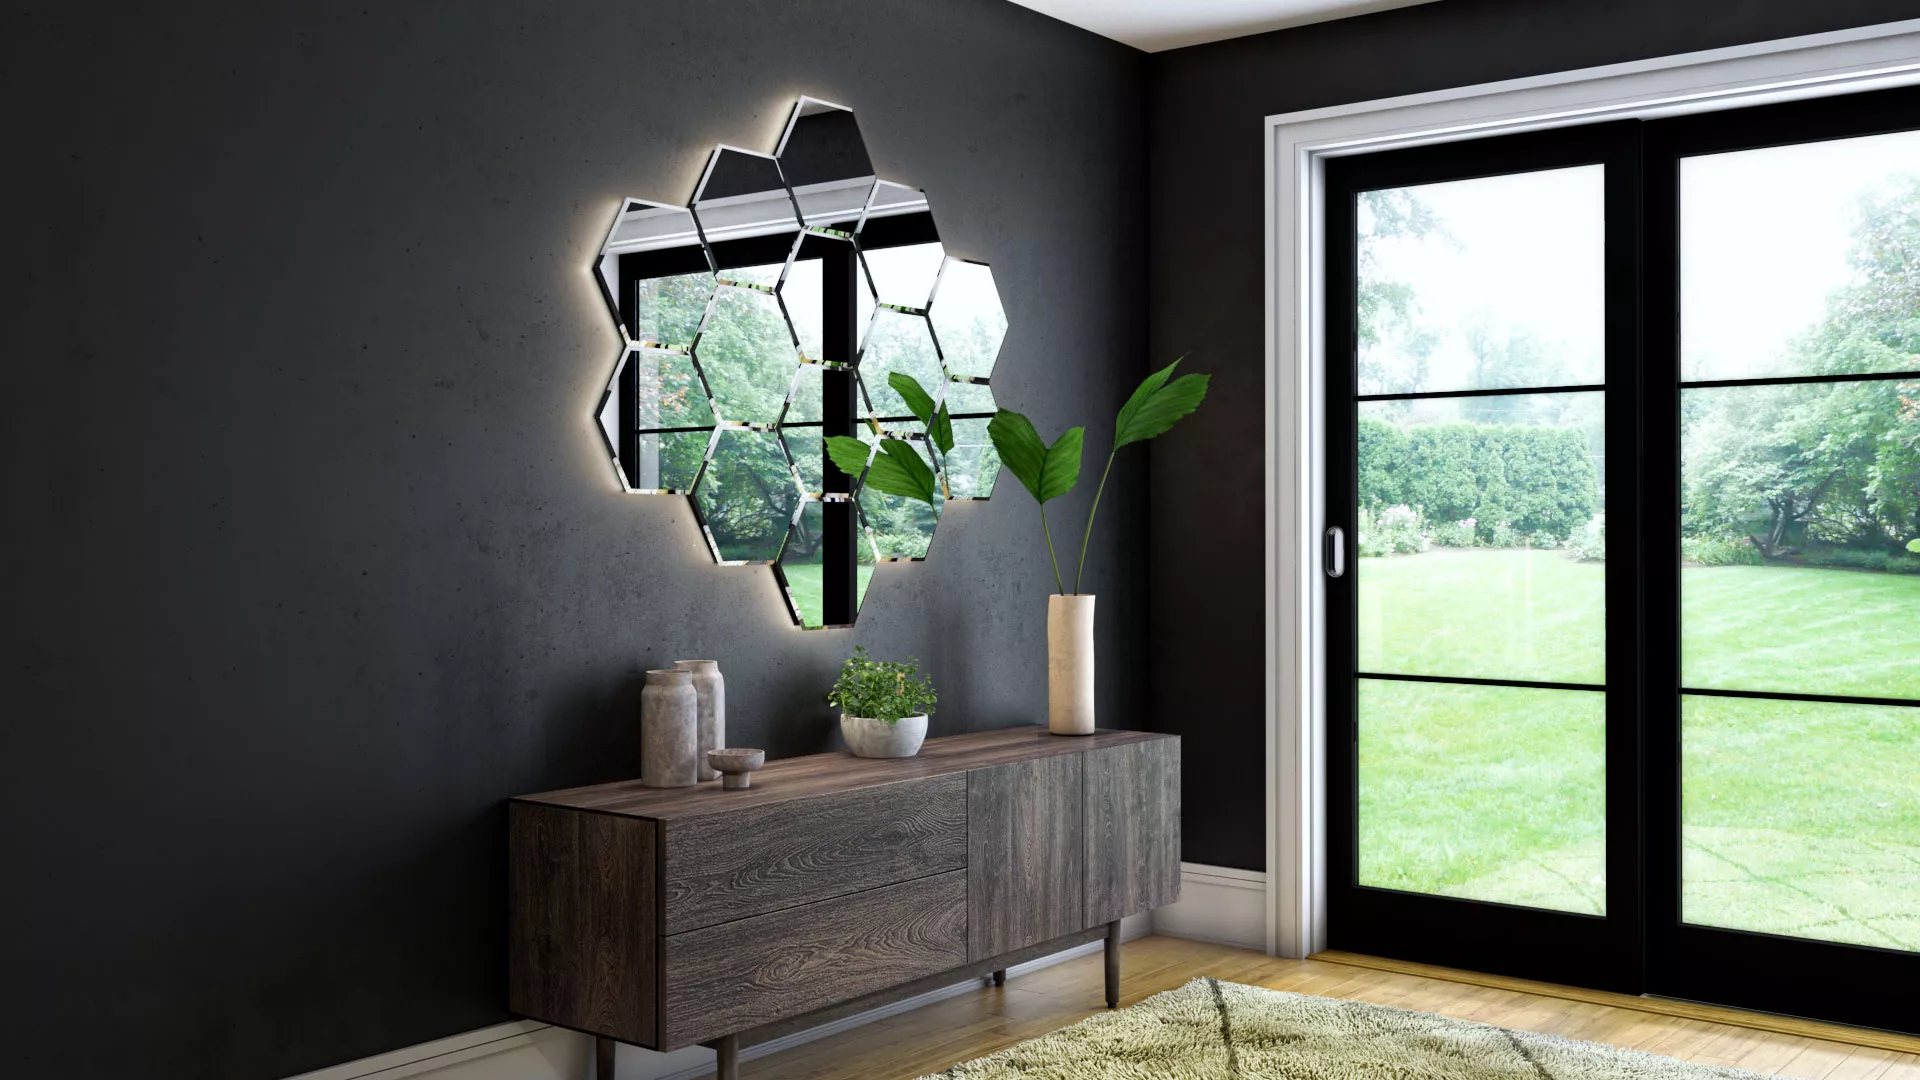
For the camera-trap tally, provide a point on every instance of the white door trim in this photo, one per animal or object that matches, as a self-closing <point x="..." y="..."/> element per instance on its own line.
<point x="1845" y="61"/>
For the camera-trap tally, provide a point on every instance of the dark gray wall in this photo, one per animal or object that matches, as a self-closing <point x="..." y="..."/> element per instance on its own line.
<point x="1208" y="107"/>
<point x="312" y="555"/>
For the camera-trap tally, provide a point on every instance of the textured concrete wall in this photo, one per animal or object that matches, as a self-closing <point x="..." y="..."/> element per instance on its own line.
<point x="312" y="555"/>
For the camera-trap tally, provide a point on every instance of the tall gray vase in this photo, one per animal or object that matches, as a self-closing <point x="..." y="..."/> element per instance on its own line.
<point x="712" y="688"/>
<point x="669" y="730"/>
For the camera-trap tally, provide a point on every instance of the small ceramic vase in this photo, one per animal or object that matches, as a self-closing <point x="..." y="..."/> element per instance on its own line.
<point x="712" y="689"/>
<point x="669" y="730"/>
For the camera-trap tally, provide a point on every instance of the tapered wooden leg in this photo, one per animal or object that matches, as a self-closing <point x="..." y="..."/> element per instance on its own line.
<point x="726" y="1052"/>
<point x="602" y="1058"/>
<point x="1113" y="965"/>
<point x="1000" y="977"/>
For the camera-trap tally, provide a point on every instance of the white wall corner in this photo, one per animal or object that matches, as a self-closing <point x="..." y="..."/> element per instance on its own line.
<point x="1217" y="904"/>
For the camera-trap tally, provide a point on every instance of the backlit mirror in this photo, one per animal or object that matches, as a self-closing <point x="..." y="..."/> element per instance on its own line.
<point x="769" y="313"/>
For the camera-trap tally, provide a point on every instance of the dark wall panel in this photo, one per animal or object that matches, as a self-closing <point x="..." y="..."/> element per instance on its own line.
<point x="1209" y="104"/>
<point x="312" y="555"/>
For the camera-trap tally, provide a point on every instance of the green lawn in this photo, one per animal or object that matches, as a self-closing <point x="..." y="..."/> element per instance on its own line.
<point x="803" y="580"/>
<point x="1797" y="818"/>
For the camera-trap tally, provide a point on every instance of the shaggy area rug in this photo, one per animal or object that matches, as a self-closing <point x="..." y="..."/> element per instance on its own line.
<point x="1210" y="1030"/>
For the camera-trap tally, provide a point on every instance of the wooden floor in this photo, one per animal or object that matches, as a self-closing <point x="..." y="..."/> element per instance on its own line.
<point x="958" y="1029"/>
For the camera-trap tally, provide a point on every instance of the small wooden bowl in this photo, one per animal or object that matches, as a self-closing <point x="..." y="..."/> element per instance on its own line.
<point x="736" y="766"/>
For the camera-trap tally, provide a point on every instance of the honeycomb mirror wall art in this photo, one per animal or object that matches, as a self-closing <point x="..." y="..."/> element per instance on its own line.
<point x="775" y="309"/>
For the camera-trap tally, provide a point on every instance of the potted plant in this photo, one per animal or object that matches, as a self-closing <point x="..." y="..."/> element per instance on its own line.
<point x="1048" y="472"/>
<point x="884" y="705"/>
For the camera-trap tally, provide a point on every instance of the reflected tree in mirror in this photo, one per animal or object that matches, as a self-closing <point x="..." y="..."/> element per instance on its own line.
<point x="786" y="305"/>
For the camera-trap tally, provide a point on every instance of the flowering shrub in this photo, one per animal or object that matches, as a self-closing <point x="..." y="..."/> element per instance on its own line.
<point x="1397" y="530"/>
<point x="1589" y="543"/>
<point x="1459" y="534"/>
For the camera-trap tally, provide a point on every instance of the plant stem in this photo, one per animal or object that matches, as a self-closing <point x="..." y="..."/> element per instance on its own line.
<point x="1048" y="533"/>
<point x="1092" y="510"/>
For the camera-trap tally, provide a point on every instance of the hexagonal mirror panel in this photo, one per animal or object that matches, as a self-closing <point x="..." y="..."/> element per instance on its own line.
<point x="655" y="274"/>
<point x="968" y="321"/>
<point x="747" y="353"/>
<point x="899" y="528"/>
<point x="766" y="315"/>
<point x="746" y="496"/>
<point x="802" y="567"/>
<point x="897" y="342"/>
<point x="656" y="419"/>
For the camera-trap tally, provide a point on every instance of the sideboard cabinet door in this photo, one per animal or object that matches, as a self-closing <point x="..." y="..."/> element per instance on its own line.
<point x="1132" y="828"/>
<point x="1025" y="851"/>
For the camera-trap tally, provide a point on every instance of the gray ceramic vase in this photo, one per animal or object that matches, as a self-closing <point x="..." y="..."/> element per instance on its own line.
<point x="669" y="730"/>
<point x="712" y="690"/>
<point x="867" y="737"/>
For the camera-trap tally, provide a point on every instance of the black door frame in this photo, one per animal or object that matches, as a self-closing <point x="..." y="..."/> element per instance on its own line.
<point x="1601" y="952"/>
<point x="1642" y="945"/>
<point x="1851" y="984"/>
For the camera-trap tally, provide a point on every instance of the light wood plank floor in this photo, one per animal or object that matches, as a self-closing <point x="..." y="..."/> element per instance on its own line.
<point x="965" y="1027"/>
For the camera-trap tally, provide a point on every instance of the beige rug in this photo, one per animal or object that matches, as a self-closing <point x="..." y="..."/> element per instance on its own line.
<point x="1209" y="1030"/>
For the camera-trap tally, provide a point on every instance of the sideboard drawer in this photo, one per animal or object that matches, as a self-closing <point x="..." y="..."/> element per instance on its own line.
<point x="722" y="867"/>
<point x="739" y="975"/>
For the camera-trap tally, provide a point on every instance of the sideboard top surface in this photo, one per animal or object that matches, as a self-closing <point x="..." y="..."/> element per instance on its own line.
<point x="824" y="774"/>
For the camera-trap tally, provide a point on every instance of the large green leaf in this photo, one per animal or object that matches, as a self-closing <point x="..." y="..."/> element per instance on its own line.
<point x="849" y="453"/>
<point x="897" y="470"/>
<point x="941" y="430"/>
<point x="919" y="402"/>
<point x="1063" y="464"/>
<point x="1157" y="405"/>
<point x="1046" y="472"/>
<point x="900" y="470"/>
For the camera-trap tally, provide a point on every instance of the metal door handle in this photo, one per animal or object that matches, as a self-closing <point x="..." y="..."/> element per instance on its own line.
<point x="1336" y="556"/>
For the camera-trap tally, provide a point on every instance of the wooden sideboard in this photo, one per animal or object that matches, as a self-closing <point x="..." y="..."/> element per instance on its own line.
<point x="669" y="917"/>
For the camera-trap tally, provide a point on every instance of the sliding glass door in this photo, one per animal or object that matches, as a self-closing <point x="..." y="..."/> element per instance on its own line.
<point x="1624" y="576"/>
<point x="1483" y="753"/>
<point x="1785" y="325"/>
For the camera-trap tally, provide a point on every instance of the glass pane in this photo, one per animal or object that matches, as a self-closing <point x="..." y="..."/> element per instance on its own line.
<point x="1800" y="260"/>
<point x="747" y="496"/>
<point x="897" y="342"/>
<point x="746" y="351"/>
<point x="800" y="567"/>
<point x="668" y="393"/>
<point x="807" y="447"/>
<point x="974" y="465"/>
<point x="1484" y="284"/>
<point x="670" y="461"/>
<point x="904" y="276"/>
<point x="1803" y="819"/>
<point x="964" y="396"/>
<point x="968" y="319"/>
<point x="1484" y="792"/>
<point x="667" y="276"/>
<point x="1482" y="537"/>
<point x="899" y="527"/>
<point x="1800" y="520"/>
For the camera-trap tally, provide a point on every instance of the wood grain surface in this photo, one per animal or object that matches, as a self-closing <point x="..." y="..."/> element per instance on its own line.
<point x="722" y="867"/>
<point x="1025" y="854"/>
<point x="738" y="975"/>
<point x="820" y="774"/>
<point x="581" y="940"/>
<point x="1132" y="829"/>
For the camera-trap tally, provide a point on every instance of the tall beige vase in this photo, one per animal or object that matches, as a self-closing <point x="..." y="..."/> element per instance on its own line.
<point x="1070" y="664"/>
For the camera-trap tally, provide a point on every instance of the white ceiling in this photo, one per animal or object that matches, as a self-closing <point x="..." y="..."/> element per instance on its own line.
<point x="1157" y="25"/>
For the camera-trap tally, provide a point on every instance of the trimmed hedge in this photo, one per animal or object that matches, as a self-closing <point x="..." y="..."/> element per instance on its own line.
<point x="1533" y="479"/>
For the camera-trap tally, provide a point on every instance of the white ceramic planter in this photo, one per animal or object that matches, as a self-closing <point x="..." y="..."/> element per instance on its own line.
<point x="1070" y="664"/>
<point x="879" y="739"/>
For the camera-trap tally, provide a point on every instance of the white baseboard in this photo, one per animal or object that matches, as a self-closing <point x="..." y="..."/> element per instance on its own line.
<point x="1217" y="904"/>
<point x="529" y="1050"/>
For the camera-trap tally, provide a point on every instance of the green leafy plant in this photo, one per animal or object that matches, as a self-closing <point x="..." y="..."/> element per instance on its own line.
<point x="1914" y="546"/>
<point x="1048" y="472"/>
<point x="898" y="469"/>
<point x="886" y="690"/>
